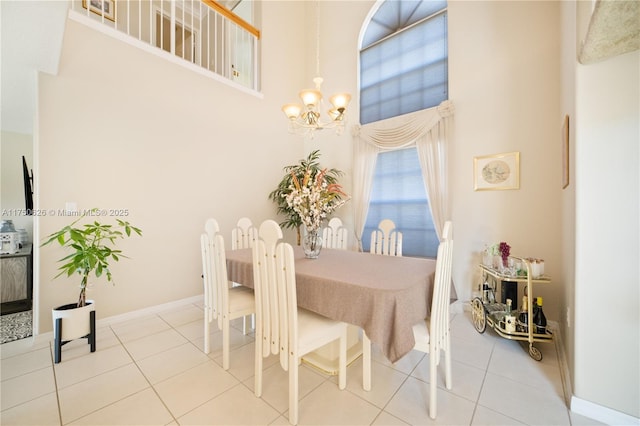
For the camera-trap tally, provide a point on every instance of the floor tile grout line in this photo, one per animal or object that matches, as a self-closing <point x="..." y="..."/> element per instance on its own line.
<point x="484" y="379"/>
<point x="55" y="383"/>
<point x="145" y="377"/>
<point x="383" y="409"/>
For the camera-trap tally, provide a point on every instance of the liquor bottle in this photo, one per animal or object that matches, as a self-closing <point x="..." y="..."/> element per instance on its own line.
<point x="539" y="318"/>
<point x="509" y="319"/>
<point x="523" y="317"/>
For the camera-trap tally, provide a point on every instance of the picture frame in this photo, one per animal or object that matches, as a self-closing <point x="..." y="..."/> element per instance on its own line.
<point x="97" y="6"/>
<point x="565" y="152"/>
<point x="497" y="172"/>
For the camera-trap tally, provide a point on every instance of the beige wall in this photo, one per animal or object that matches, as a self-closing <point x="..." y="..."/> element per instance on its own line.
<point x="121" y="128"/>
<point x="505" y="83"/>
<point x="607" y="346"/>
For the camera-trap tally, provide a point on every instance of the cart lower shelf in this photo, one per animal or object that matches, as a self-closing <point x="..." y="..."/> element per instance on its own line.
<point x="489" y="314"/>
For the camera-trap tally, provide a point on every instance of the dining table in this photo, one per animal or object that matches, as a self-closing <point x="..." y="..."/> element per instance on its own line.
<point x="383" y="295"/>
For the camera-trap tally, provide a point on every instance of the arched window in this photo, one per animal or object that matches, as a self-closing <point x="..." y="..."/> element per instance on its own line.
<point x="403" y="69"/>
<point x="403" y="59"/>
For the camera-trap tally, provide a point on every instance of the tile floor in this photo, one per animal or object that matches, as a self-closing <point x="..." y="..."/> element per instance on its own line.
<point x="152" y="371"/>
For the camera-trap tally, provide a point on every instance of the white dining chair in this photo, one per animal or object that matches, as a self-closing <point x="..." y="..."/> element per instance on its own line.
<point x="431" y="335"/>
<point x="243" y="234"/>
<point x="386" y="240"/>
<point x="335" y="235"/>
<point x="281" y="327"/>
<point x="222" y="302"/>
<point x="242" y="237"/>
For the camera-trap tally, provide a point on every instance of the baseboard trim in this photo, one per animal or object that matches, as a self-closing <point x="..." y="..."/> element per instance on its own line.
<point x="581" y="406"/>
<point x="48" y="336"/>
<point x="600" y="413"/>
<point x="146" y="311"/>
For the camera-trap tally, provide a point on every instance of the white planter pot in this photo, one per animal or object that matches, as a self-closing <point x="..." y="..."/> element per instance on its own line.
<point x="70" y="323"/>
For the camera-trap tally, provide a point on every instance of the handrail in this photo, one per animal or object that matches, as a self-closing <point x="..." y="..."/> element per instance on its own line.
<point x="232" y="17"/>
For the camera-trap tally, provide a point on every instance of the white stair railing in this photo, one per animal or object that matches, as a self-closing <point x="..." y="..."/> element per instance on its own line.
<point x="198" y="31"/>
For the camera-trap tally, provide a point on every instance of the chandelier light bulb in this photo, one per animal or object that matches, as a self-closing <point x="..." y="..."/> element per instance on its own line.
<point x="292" y="111"/>
<point x="340" y="101"/>
<point x="310" y="98"/>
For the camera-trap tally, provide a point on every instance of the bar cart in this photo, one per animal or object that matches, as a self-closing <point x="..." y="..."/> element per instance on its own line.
<point x="486" y="310"/>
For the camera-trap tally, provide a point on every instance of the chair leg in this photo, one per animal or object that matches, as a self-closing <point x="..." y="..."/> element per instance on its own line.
<point x="258" y="367"/>
<point x="244" y="325"/>
<point x="293" y="390"/>
<point x="225" y="342"/>
<point x="366" y="362"/>
<point x="342" y="361"/>
<point x="447" y="366"/>
<point x="207" y="330"/>
<point x="433" y="385"/>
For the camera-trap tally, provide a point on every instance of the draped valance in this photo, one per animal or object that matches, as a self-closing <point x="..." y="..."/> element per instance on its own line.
<point x="427" y="130"/>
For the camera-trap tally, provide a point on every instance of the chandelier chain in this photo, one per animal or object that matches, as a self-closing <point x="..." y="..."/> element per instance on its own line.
<point x="317" y="39"/>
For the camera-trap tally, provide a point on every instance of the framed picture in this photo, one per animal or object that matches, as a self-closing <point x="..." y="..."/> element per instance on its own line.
<point x="497" y="172"/>
<point x="97" y="6"/>
<point x="565" y="152"/>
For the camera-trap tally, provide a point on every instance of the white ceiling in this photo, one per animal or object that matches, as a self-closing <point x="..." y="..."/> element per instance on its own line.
<point x="32" y="32"/>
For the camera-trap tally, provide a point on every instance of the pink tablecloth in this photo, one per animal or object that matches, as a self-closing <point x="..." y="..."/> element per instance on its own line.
<point x="384" y="295"/>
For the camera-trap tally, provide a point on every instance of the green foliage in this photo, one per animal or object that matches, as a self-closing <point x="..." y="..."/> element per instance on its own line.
<point x="278" y="195"/>
<point x="92" y="248"/>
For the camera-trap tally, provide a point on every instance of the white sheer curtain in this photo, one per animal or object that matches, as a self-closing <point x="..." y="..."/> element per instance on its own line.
<point x="428" y="130"/>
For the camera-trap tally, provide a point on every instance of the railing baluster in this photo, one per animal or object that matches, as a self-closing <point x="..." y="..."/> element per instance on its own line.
<point x="151" y="22"/>
<point x="205" y="33"/>
<point x="139" y="20"/>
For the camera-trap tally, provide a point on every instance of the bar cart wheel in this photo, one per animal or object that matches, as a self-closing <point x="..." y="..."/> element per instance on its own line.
<point x="535" y="353"/>
<point x="479" y="315"/>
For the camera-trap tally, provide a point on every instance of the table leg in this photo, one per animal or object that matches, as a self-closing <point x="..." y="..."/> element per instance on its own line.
<point x="326" y="359"/>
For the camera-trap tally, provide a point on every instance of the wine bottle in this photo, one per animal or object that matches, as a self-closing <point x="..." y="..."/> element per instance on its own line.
<point x="523" y="317"/>
<point x="539" y="318"/>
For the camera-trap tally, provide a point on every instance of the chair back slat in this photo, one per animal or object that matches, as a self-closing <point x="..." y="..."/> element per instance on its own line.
<point x="244" y="234"/>
<point x="221" y="281"/>
<point x="210" y="312"/>
<point x="386" y="240"/>
<point x="439" y="324"/>
<point x="335" y="235"/>
<point x="264" y="282"/>
<point x="211" y="227"/>
<point x="286" y="283"/>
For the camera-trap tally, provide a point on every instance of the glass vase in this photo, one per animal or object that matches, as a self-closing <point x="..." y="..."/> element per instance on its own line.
<point x="312" y="243"/>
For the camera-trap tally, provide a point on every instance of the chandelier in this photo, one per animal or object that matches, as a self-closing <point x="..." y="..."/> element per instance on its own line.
<point x="305" y="119"/>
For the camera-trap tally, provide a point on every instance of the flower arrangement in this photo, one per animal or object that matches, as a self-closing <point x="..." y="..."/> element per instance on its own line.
<point x="309" y="165"/>
<point x="314" y="198"/>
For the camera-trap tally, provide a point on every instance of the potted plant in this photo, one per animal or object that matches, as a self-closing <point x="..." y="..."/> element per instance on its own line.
<point x="92" y="247"/>
<point x="309" y="166"/>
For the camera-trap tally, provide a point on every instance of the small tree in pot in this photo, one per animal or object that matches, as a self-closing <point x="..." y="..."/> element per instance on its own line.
<point x="92" y="248"/>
